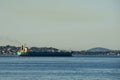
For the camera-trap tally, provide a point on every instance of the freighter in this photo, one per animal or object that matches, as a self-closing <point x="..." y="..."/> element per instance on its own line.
<point x="24" y="51"/>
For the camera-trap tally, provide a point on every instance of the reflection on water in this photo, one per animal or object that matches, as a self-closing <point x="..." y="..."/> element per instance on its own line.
<point x="59" y="68"/>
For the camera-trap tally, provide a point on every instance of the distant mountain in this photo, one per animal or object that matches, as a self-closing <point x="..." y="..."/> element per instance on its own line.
<point x="99" y="49"/>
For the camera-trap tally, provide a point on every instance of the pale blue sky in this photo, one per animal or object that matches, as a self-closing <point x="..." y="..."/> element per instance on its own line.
<point x="64" y="24"/>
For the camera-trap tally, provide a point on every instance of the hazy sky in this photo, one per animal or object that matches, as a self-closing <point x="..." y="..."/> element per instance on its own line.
<point x="64" y="24"/>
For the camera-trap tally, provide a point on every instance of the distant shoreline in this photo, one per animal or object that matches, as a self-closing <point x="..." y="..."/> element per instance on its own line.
<point x="9" y="50"/>
<point x="62" y="56"/>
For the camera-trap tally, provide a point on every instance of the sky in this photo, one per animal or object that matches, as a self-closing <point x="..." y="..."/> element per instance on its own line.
<point x="63" y="24"/>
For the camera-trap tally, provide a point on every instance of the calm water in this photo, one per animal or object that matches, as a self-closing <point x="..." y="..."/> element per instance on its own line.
<point x="60" y="68"/>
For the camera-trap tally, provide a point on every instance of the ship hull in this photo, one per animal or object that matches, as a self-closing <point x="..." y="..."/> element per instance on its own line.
<point x="64" y="54"/>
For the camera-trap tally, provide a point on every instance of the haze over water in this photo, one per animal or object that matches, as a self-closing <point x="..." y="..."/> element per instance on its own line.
<point x="64" y="24"/>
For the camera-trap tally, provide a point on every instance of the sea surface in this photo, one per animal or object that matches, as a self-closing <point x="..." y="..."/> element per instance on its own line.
<point x="60" y="68"/>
